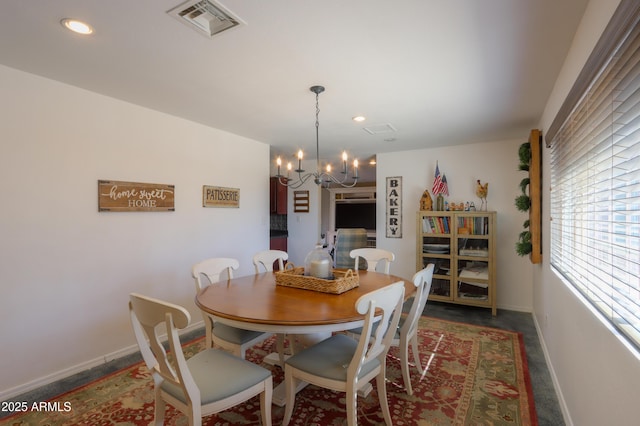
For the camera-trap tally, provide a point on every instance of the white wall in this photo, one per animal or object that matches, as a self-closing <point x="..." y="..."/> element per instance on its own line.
<point x="596" y="374"/>
<point x="65" y="269"/>
<point x="494" y="162"/>
<point x="304" y="228"/>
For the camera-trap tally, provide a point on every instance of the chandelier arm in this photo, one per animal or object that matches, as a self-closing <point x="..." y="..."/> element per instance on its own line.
<point x="302" y="179"/>
<point x="333" y="179"/>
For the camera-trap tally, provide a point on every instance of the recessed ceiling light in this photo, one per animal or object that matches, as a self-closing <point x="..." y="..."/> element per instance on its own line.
<point x="77" y="26"/>
<point x="359" y="118"/>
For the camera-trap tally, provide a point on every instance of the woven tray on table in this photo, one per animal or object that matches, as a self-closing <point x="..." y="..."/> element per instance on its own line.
<point x="294" y="277"/>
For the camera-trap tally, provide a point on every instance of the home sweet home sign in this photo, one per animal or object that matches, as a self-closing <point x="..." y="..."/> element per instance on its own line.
<point x="119" y="196"/>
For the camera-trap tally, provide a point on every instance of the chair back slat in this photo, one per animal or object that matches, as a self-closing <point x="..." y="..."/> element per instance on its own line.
<point x="386" y="303"/>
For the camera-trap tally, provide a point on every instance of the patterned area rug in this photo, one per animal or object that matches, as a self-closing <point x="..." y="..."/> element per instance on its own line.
<point x="475" y="376"/>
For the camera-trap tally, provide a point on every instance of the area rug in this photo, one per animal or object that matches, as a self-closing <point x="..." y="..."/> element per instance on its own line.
<point x="475" y="376"/>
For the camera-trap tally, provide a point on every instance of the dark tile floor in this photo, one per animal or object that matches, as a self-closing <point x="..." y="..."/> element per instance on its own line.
<point x="547" y="406"/>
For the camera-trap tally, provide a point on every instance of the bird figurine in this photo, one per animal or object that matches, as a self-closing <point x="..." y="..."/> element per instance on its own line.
<point x="481" y="192"/>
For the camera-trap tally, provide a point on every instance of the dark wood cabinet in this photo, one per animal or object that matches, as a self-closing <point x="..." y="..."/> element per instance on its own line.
<point x="279" y="243"/>
<point x="278" y="197"/>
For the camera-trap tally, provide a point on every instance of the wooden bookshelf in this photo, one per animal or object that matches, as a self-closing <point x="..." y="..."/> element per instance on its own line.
<point x="461" y="245"/>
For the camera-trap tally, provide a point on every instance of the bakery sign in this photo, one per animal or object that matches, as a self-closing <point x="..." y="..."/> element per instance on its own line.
<point x="217" y="196"/>
<point x="119" y="196"/>
<point x="393" y="220"/>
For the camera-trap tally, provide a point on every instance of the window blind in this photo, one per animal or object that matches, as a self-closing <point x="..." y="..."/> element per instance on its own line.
<point x="595" y="190"/>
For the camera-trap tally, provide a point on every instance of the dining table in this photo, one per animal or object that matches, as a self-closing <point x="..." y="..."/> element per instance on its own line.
<point x="257" y="302"/>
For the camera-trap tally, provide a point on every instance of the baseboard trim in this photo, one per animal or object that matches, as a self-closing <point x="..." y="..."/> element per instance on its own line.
<point x="554" y="378"/>
<point x="525" y="309"/>
<point x="8" y="394"/>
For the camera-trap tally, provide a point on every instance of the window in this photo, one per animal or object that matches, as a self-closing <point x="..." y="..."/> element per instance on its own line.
<point x="595" y="177"/>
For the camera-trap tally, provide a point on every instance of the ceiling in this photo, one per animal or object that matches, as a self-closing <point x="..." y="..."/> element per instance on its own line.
<point x="427" y="73"/>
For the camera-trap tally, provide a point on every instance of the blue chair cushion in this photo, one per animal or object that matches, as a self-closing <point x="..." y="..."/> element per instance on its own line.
<point x="330" y="358"/>
<point x="219" y="375"/>
<point x="234" y="335"/>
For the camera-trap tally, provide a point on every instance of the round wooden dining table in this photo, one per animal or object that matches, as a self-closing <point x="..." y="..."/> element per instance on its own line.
<point x="256" y="302"/>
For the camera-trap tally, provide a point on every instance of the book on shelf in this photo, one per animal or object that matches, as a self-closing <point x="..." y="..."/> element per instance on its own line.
<point x="473" y="225"/>
<point x="435" y="225"/>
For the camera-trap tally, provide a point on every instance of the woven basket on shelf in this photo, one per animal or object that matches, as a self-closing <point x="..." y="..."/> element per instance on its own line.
<point x="294" y="277"/>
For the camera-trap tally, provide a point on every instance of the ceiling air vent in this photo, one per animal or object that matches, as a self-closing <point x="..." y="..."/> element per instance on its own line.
<point x="205" y="16"/>
<point x="379" y="128"/>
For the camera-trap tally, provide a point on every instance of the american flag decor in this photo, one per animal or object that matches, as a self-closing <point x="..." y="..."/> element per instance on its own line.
<point x="444" y="186"/>
<point x="439" y="185"/>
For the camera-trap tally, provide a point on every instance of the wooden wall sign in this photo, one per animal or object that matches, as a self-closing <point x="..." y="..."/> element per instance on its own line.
<point x="535" y="193"/>
<point x="119" y="196"/>
<point x="394" y="207"/>
<point x="217" y="196"/>
<point x="301" y="201"/>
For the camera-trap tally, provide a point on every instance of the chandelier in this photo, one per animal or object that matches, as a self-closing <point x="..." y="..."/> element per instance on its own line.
<point x="319" y="177"/>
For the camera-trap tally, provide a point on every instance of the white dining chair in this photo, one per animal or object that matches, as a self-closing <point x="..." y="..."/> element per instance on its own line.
<point x="233" y="339"/>
<point x="374" y="257"/>
<point x="407" y="331"/>
<point x="344" y="364"/>
<point x="408" y="327"/>
<point x="263" y="261"/>
<point x="209" y="382"/>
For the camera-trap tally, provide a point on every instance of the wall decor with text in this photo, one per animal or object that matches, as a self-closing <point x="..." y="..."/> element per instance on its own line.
<point x="217" y="196"/>
<point x="393" y="218"/>
<point x="120" y="196"/>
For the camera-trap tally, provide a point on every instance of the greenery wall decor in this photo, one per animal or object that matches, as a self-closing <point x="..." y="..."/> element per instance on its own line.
<point x="529" y="201"/>
<point x="523" y="202"/>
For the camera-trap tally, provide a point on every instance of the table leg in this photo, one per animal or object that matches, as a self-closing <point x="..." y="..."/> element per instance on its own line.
<point x="274" y="359"/>
<point x="280" y="394"/>
<point x="298" y="342"/>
